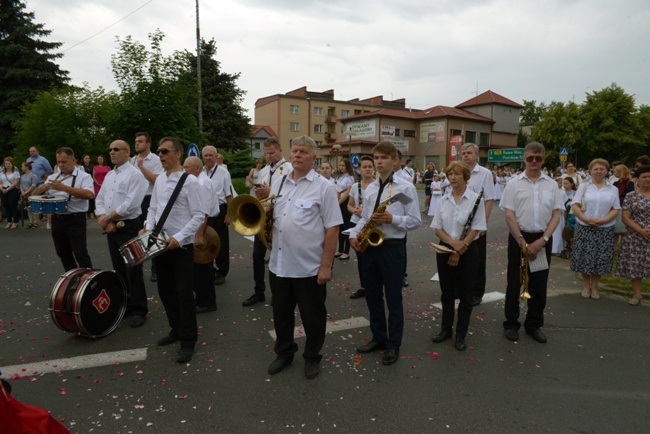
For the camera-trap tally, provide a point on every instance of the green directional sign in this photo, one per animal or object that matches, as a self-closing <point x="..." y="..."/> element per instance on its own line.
<point x="505" y="155"/>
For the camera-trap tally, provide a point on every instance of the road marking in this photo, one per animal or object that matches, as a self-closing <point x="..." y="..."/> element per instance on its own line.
<point x="332" y="326"/>
<point x="487" y="298"/>
<point x="73" y="363"/>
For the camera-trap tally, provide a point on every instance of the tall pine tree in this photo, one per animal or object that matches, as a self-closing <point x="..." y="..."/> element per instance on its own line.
<point x="27" y="66"/>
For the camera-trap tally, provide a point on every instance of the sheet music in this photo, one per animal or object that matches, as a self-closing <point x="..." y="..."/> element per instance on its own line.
<point x="539" y="263"/>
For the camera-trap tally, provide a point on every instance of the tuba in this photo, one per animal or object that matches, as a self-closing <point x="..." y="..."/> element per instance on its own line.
<point x="251" y="216"/>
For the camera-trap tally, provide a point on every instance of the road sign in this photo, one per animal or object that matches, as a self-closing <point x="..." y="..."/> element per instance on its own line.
<point x="505" y="155"/>
<point x="564" y="151"/>
<point x="563" y="158"/>
<point x="193" y="151"/>
<point x="355" y="161"/>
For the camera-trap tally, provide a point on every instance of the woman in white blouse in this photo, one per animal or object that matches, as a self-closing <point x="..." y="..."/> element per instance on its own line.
<point x="343" y="184"/>
<point x="10" y="193"/>
<point x="595" y="206"/>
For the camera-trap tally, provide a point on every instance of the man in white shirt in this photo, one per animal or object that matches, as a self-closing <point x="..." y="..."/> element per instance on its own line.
<point x="118" y="203"/>
<point x="481" y="179"/>
<point x="408" y="169"/>
<point x="69" y="228"/>
<point x="176" y="265"/>
<point x="532" y="203"/>
<point x="220" y="177"/>
<point x="274" y="170"/>
<point x="305" y="233"/>
<point x="403" y="174"/>
<point x="149" y="164"/>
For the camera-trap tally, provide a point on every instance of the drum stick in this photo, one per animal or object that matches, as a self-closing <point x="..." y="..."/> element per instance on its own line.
<point x="167" y="241"/>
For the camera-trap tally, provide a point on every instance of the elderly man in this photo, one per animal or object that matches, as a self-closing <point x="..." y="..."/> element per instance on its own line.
<point x="305" y="233"/>
<point x="532" y="203"/>
<point x="40" y="165"/>
<point x="118" y="214"/>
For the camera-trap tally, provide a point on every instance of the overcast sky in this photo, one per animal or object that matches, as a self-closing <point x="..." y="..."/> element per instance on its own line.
<point x="431" y="52"/>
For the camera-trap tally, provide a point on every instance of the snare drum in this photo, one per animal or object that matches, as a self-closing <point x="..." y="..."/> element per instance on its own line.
<point x="48" y="204"/>
<point x="138" y="250"/>
<point x="88" y="302"/>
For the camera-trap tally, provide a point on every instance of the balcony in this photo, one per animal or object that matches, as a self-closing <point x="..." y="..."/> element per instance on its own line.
<point x="331" y="136"/>
<point x="332" y="119"/>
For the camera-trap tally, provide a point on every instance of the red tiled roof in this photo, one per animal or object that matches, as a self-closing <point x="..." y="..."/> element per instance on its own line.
<point x="489" y="97"/>
<point x="258" y="128"/>
<point x="430" y="113"/>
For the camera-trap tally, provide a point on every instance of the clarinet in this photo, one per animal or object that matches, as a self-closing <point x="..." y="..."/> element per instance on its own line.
<point x="468" y="224"/>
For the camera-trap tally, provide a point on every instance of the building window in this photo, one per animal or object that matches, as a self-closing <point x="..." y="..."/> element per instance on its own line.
<point x="470" y="136"/>
<point x="294" y="126"/>
<point x="318" y="111"/>
<point x="409" y="133"/>
<point x="455" y="133"/>
<point x="319" y="143"/>
<point x="318" y="128"/>
<point x="484" y="139"/>
<point x="345" y="113"/>
<point x="357" y="111"/>
<point x="397" y="132"/>
<point x="294" y="109"/>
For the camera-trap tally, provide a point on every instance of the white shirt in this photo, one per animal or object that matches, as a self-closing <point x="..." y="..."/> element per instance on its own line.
<point x="401" y="173"/>
<point x="220" y="178"/>
<point x="343" y="182"/>
<point x="186" y="215"/>
<point x="409" y="171"/>
<point x="436" y="188"/>
<point x="482" y="179"/>
<point x="452" y="217"/>
<point x="599" y="202"/>
<point x="406" y="217"/>
<point x="122" y="191"/>
<point x="354" y="194"/>
<point x="533" y="204"/>
<point x="9" y="178"/>
<point x="278" y="170"/>
<point x="152" y="164"/>
<point x="208" y="196"/>
<point x="81" y="180"/>
<point x="303" y="212"/>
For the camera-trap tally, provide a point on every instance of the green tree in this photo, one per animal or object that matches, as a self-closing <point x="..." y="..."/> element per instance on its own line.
<point x="643" y="115"/>
<point x="532" y="113"/>
<point x="157" y="95"/>
<point x="27" y="65"/>
<point x="561" y="126"/>
<point x="225" y="124"/>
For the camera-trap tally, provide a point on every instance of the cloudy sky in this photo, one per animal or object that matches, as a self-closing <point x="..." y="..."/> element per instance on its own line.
<point x="431" y="52"/>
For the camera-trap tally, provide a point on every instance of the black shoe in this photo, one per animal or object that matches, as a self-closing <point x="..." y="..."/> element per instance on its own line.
<point x="206" y="309"/>
<point x="512" y="335"/>
<point x="138" y="321"/>
<point x="311" y="369"/>
<point x="476" y="301"/>
<point x="537" y="335"/>
<point x="442" y="336"/>
<point x="219" y="279"/>
<point x="405" y="282"/>
<point x="184" y="355"/>
<point x="390" y="356"/>
<point x="359" y="293"/>
<point x="154" y="276"/>
<point x="370" y="347"/>
<point x="253" y="299"/>
<point x="460" y="343"/>
<point x="279" y="364"/>
<point x="169" y="339"/>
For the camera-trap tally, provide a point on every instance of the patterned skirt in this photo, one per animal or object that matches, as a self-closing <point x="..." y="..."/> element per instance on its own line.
<point x="634" y="258"/>
<point x="593" y="250"/>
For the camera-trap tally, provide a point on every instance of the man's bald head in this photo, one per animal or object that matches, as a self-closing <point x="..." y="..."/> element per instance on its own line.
<point x="193" y="165"/>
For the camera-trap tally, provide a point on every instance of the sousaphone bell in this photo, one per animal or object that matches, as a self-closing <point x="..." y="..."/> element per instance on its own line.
<point x="250" y="216"/>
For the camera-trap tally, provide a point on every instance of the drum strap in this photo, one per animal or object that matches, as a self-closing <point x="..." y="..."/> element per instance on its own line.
<point x="166" y="211"/>
<point x="66" y="304"/>
<point x="74" y="178"/>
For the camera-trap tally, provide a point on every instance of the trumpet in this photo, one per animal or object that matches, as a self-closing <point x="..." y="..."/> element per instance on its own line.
<point x="523" y="274"/>
<point x="251" y="216"/>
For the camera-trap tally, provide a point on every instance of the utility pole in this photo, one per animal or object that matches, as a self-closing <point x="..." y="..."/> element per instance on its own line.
<point x="198" y="68"/>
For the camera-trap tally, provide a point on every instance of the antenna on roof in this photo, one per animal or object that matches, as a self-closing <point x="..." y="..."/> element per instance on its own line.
<point x="476" y="93"/>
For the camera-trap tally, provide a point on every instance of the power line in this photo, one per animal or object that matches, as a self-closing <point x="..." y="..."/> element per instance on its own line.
<point x="106" y="28"/>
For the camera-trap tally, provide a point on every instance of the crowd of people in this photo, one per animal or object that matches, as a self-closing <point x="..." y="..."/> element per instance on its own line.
<point x="318" y="217"/>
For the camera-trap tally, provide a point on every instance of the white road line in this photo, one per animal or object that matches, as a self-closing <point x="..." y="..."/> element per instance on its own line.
<point x="487" y="297"/>
<point x="332" y="326"/>
<point x="73" y="363"/>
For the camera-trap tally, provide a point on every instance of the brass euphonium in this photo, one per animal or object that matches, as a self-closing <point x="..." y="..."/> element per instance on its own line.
<point x="523" y="274"/>
<point x="251" y="216"/>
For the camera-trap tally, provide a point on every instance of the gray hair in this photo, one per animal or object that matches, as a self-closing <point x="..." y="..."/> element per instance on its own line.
<point x="535" y="148"/>
<point x="305" y="141"/>
<point x="470" y="145"/>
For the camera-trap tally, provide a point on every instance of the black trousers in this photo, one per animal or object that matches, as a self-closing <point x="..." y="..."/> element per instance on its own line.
<point x="536" y="286"/>
<point x="259" y="268"/>
<point x="382" y="269"/>
<point x="344" y="240"/>
<point x="69" y="236"/>
<point x="310" y="298"/>
<point x="10" y="201"/>
<point x="204" y="285"/>
<point x="481" y="266"/>
<point x="175" y="281"/>
<point x="222" y="261"/>
<point x="359" y="267"/>
<point x="132" y="276"/>
<point x="457" y="281"/>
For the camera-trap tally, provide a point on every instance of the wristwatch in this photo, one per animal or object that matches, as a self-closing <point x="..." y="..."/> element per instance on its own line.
<point x="545" y="238"/>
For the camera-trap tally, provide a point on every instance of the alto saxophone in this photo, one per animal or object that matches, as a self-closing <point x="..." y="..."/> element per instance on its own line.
<point x="370" y="234"/>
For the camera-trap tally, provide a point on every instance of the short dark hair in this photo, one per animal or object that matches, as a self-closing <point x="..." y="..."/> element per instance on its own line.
<point x="176" y="144"/>
<point x="146" y="136"/>
<point x="386" y="148"/>
<point x="644" y="160"/>
<point x="641" y="170"/>
<point x="272" y="141"/>
<point x="65" y="150"/>
<point x="367" y="158"/>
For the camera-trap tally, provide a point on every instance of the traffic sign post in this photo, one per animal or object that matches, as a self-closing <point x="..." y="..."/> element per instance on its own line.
<point x="193" y="150"/>
<point x="564" y="152"/>
<point x="506" y="155"/>
<point x="355" y="160"/>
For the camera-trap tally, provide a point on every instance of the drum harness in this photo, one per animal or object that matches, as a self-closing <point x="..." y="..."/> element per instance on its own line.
<point x="166" y="211"/>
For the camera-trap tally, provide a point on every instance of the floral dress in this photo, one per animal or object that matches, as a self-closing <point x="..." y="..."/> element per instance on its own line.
<point x="634" y="259"/>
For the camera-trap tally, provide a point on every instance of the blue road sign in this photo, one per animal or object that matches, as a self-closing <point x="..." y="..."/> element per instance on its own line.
<point x="564" y="151"/>
<point x="193" y="150"/>
<point x="355" y="160"/>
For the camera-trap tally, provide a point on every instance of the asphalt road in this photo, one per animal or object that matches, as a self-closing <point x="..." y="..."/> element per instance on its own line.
<point x="588" y="378"/>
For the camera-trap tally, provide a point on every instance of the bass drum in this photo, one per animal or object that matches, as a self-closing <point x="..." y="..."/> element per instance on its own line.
<point x="88" y="302"/>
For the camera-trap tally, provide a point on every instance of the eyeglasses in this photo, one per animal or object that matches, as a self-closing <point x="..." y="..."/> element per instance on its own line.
<point x="535" y="158"/>
<point x="163" y="151"/>
<point x="116" y="149"/>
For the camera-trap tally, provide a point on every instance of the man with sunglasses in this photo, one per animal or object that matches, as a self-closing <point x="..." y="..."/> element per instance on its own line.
<point x="176" y="265"/>
<point x="481" y="179"/>
<point x="119" y="215"/>
<point x="532" y="203"/>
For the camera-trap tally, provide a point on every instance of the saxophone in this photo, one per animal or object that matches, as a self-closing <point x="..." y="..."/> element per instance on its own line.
<point x="370" y="234"/>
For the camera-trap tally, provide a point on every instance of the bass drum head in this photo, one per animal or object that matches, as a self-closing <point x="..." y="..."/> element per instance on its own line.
<point x="100" y="303"/>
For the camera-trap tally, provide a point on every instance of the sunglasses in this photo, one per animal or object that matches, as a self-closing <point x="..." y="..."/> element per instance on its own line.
<point x="116" y="149"/>
<point x="535" y="158"/>
<point x="163" y="151"/>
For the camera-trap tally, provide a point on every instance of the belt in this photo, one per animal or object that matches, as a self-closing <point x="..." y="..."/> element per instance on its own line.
<point x="393" y="242"/>
<point x="69" y="215"/>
